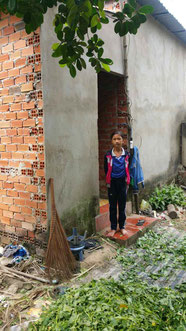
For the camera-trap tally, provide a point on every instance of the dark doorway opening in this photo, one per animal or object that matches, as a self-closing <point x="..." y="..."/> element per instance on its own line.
<point x="112" y="115"/>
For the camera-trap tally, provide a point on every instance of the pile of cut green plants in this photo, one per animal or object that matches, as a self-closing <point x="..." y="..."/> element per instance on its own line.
<point x="156" y="255"/>
<point x="108" y="305"/>
<point x="165" y="195"/>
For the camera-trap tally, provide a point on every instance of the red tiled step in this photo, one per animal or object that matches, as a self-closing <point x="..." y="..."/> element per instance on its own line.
<point x="133" y="230"/>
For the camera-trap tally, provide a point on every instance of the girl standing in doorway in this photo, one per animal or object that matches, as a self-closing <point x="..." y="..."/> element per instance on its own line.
<point x="116" y="166"/>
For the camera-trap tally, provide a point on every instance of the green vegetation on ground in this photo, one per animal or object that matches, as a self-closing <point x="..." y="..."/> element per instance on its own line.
<point x="168" y="194"/>
<point x="129" y="304"/>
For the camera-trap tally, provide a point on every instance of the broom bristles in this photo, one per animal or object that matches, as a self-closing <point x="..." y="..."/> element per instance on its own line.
<point x="60" y="261"/>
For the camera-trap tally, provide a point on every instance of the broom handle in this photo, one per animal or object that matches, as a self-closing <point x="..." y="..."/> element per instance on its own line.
<point x="53" y="207"/>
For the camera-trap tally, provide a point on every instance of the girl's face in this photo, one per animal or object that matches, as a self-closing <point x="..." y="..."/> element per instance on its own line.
<point x="117" y="141"/>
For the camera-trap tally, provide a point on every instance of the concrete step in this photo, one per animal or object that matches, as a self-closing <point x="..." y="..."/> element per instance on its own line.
<point x="133" y="230"/>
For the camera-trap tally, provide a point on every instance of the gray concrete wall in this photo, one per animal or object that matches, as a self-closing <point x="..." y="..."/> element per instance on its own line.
<point x="157" y="89"/>
<point x="71" y="134"/>
<point x="70" y="122"/>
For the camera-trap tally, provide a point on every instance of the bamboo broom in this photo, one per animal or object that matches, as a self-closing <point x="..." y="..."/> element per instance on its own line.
<point x="60" y="262"/>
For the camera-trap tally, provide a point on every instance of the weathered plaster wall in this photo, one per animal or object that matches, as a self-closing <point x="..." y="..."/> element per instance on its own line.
<point x="71" y="142"/>
<point x="71" y="133"/>
<point x="157" y="87"/>
<point x="113" y="47"/>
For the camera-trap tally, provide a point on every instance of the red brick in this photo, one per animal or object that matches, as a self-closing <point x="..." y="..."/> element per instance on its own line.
<point x="3" y="163"/>
<point x="38" y="67"/>
<point x="20" y="44"/>
<point x="14" y="19"/>
<point x="19" y="202"/>
<point x="4" y="91"/>
<point x="24" y="132"/>
<point x="28" y="51"/>
<point x="3" y="74"/>
<point x="16" y="106"/>
<point x="17" y="124"/>
<point x="8" y="99"/>
<point x="2" y="132"/>
<point x="4" y="108"/>
<point x="24" y="179"/>
<point x="27" y="87"/>
<point x="26" y="70"/>
<point x="7" y="49"/>
<point x="4" y="41"/>
<point x="8" y="30"/>
<point x="3" y="23"/>
<point x="14" y="164"/>
<point x="10" y="116"/>
<point x="28" y="105"/>
<point x="15" y="209"/>
<point x="3" y="206"/>
<point x="19" y="98"/>
<point x="2" y="148"/>
<point x="18" y="156"/>
<point x="13" y="72"/>
<point x="29" y="140"/>
<point x="32" y="188"/>
<point x="22" y="115"/>
<point x="30" y="156"/>
<point x="24" y="195"/>
<point x="5" y="220"/>
<point x="6" y="140"/>
<point x="8" y="200"/>
<point x="23" y="148"/>
<point x="4" y="57"/>
<point x="37" y="49"/>
<point x="20" y="80"/>
<point x="11" y="132"/>
<point x="32" y="204"/>
<point x="8" y="65"/>
<point x="12" y="193"/>
<point x="2" y="192"/>
<point x="42" y="205"/>
<point x="15" y="36"/>
<point x="7" y="213"/>
<point x="15" y="55"/>
<point x="20" y="62"/>
<point x="17" y="140"/>
<point x="3" y="177"/>
<point x="26" y="210"/>
<point x="40" y="173"/>
<point x="19" y="187"/>
<point x="8" y="185"/>
<point x="29" y="122"/>
<point x="30" y="219"/>
<point x="8" y="82"/>
<point x="5" y="124"/>
<point x="11" y="148"/>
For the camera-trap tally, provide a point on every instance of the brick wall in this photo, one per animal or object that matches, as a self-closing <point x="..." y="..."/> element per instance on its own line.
<point x="112" y="115"/>
<point x="22" y="164"/>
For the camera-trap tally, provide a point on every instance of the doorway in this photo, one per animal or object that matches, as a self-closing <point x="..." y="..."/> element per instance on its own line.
<point x="112" y="115"/>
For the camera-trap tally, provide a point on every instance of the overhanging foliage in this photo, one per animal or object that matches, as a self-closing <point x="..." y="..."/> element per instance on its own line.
<point x="76" y="25"/>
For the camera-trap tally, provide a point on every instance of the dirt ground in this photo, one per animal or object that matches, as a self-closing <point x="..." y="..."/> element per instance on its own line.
<point x="22" y="299"/>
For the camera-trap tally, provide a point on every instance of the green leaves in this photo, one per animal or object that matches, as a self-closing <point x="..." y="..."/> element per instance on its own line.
<point x="146" y="10"/>
<point x="72" y="23"/>
<point x="114" y="305"/>
<point x="94" y="21"/>
<point x="12" y="4"/>
<point x="130" y="19"/>
<point x="168" y="194"/>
